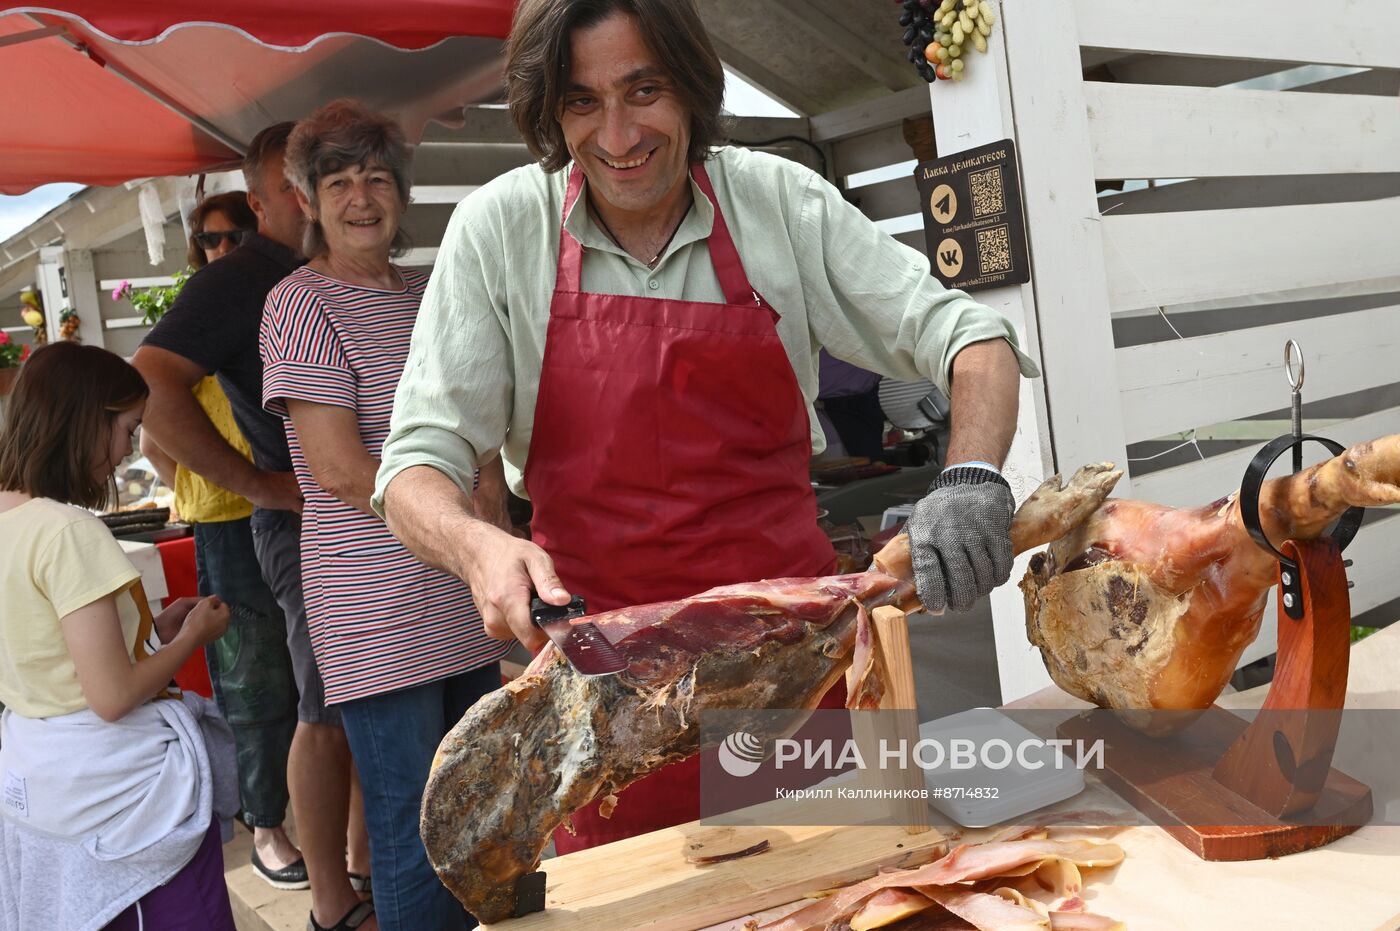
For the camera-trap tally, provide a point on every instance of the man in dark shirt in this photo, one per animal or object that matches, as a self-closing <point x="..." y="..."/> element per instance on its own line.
<point x="213" y="328"/>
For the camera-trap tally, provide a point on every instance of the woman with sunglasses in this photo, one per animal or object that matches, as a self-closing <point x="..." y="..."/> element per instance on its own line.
<point x="217" y="226"/>
<point x="250" y="668"/>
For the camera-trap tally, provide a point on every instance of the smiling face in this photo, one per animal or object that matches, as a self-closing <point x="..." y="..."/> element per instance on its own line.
<point x="359" y="210"/>
<point x="621" y="119"/>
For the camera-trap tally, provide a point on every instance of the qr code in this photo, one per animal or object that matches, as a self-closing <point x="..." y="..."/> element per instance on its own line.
<point x="993" y="250"/>
<point x="987" y="197"/>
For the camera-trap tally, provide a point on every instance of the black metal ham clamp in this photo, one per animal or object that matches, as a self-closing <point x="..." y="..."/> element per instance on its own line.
<point x="529" y="893"/>
<point x="1290" y="574"/>
<point x="1272" y="791"/>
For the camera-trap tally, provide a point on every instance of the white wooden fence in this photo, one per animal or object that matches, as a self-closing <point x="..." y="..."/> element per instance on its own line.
<point x="1278" y="198"/>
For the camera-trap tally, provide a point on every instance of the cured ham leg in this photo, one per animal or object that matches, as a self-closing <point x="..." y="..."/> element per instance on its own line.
<point x="526" y="756"/>
<point x="1145" y="606"/>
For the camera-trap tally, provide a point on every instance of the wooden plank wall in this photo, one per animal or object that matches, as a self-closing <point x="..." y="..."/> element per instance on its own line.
<point x="860" y="162"/>
<point x="1265" y="205"/>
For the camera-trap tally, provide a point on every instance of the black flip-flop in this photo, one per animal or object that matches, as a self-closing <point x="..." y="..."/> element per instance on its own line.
<point x="348" y="922"/>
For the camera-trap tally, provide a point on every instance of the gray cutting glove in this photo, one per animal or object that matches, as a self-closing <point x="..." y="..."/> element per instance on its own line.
<point x="960" y="537"/>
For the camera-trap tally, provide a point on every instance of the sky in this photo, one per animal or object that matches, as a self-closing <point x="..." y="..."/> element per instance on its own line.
<point x="743" y="99"/>
<point x="18" y="212"/>
<point x="740" y="98"/>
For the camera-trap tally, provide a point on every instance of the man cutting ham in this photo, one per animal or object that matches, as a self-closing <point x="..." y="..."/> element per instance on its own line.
<point x="633" y="323"/>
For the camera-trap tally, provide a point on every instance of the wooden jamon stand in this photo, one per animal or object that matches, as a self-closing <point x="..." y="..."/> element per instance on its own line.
<point x="650" y="882"/>
<point x="1272" y="791"/>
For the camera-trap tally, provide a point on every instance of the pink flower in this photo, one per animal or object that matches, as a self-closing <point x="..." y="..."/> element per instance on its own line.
<point x="24" y="353"/>
<point x="120" y="290"/>
<point x="4" y="338"/>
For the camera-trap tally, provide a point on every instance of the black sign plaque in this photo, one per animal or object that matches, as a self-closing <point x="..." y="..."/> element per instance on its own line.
<point x="973" y="220"/>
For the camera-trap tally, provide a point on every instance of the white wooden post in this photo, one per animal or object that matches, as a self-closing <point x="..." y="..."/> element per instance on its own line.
<point x="1066" y="238"/>
<point x="50" y="276"/>
<point x="82" y="295"/>
<point x="67" y="280"/>
<point x="968" y="114"/>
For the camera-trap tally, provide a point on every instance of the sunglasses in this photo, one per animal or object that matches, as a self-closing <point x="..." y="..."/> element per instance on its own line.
<point x="211" y="240"/>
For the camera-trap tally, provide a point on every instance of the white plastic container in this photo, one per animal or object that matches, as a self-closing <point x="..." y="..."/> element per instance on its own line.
<point x="895" y="515"/>
<point x="984" y="795"/>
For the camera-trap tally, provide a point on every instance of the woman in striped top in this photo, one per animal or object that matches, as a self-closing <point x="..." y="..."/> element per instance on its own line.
<point x="400" y="645"/>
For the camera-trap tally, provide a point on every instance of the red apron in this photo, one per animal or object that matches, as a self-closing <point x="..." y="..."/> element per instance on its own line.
<point x="670" y="455"/>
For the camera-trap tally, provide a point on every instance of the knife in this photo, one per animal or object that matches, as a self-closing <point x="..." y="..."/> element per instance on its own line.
<point x="581" y="642"/>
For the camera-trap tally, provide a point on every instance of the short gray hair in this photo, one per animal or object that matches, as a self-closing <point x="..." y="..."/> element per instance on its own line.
<point x="338" y="135"/>
<point x="268" y="142"/>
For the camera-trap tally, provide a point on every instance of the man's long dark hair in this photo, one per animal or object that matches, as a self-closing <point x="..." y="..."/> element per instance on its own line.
<point x="537" y="67"/>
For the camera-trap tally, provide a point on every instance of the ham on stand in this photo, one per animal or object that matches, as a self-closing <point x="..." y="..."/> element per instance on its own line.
<point x="1149" y="607"/>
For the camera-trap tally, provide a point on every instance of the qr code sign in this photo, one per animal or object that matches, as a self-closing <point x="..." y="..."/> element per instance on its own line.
<point x="987" y="197"/>
<point x="994" y="250"/>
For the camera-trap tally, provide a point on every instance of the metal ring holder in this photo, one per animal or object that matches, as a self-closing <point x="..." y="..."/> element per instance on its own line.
<point x="1290" y="350"/>
<point x="1258" y="469"/>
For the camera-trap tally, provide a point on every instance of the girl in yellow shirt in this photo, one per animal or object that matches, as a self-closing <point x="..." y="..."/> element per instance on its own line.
<point x="73" y="668"/>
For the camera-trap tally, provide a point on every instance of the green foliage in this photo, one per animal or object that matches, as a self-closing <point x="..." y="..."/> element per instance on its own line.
<point x="1358" y="633"/>
<point x="155" y="301"/>
<point x="12" y="354"/>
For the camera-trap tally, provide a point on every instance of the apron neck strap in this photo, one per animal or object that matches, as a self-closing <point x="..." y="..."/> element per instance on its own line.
<point x="570" y="249"/>
<point x="723" y="255"/>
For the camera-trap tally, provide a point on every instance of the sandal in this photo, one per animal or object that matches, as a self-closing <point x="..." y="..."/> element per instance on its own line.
<point x="348" y="922"/>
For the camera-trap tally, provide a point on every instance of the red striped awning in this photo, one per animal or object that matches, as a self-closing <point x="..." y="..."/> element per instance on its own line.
<point x="104" y="91"/>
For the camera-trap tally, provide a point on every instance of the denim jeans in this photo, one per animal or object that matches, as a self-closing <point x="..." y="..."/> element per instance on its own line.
<point x="249" y="668"/>
<point x="393" y="737"/>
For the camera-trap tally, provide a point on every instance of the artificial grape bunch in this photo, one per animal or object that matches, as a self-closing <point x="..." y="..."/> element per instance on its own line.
<point x="68" y="323"/>
<point x="939" y="31"/>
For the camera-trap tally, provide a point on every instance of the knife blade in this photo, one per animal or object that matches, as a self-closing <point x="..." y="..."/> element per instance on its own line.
<point x="581" y="642"/>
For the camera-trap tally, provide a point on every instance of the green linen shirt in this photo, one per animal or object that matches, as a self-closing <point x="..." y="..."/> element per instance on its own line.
<point x="473" y="371"/>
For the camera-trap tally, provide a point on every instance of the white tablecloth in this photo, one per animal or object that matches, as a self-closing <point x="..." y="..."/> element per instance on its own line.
<point x="146" y="558"/>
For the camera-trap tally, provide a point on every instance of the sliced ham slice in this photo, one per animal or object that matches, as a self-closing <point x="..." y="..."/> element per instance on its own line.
<point x="1061" y="877"/>
<point x="1017" y="896"/>
<point x="966" y="863"/>
<point x="888" y="906"/>
<point x="987" y="912"/>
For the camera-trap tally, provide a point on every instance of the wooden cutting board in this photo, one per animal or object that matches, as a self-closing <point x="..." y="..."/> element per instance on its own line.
<point x="647" y="883"/>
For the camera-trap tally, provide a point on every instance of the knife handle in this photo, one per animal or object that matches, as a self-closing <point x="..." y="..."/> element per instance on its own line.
<point x="541" y="612"/>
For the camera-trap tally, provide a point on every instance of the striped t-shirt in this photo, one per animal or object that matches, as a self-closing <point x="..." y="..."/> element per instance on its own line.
<point x="379" y="619"/>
